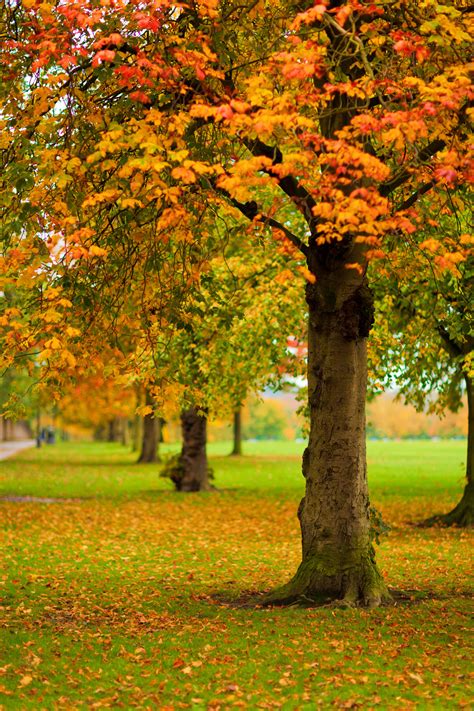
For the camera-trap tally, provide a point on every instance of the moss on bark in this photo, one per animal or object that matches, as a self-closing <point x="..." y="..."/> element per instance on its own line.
<point x="321" y="580"/>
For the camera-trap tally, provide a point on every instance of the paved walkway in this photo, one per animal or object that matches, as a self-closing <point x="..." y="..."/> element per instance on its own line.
<point x="8" y="449"/>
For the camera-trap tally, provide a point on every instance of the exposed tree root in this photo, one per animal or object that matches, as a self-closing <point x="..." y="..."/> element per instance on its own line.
<point x="462" y="515"/>
<point x="193" y="487"/>
<point x="315" y="583"/>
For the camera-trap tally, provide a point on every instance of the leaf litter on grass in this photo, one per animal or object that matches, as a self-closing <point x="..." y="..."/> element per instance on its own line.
<point x="127" y="603"/>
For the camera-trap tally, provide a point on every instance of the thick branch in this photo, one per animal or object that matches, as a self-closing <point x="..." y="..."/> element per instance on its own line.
<point x="449" y="344"/>
<point x="289" y="184"/>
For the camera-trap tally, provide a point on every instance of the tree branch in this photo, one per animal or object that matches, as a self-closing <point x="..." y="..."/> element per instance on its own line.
<point x="251" y="212"/>
<point x="414" y="196"/>
<point x="424" y="155"/>
<point x="303" y="200"/>
<point x="449" y="344"/>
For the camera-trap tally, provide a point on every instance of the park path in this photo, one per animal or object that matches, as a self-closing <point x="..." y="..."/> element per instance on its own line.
<point x="8" y="449"/>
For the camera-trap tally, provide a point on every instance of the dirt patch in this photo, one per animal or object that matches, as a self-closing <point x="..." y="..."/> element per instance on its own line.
<point x="37" y="500"/>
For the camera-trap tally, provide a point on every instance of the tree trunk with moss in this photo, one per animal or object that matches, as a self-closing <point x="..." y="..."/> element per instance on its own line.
<point x="150" y="436"/>
<point x="463" y="514"/>
<point x="338" y="561"/>
<point x="237" y="433"/>
<point x="193" y="464"/>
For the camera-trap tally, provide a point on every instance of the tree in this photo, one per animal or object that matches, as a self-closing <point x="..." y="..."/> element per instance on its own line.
<point x="321" y="122"/>
<point x="237" y="433"/>
<point x="266" y="420"/>
<point x="194" y="468"/>
<point x="225" y="347"/>
<point x="98" y="403"/>
<point x="424" y="329"/>
<point x="151" y="433"/>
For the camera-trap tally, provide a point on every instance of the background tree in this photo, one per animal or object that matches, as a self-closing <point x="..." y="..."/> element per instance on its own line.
<point x="94" y="403"/>
<point x="151" y="433"/>
<point x="237" y="433"/>
<point x="227" y="346"/>
<point x="424" y="330"/>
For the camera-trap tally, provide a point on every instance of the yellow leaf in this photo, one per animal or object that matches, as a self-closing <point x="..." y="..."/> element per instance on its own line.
<point x="53" y="344"/>
<point x="95" y="251"/>
<point x="184" y="174"/>
<point x="144" y="410"/>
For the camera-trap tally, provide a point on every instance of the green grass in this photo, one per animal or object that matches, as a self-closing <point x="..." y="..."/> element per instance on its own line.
<point x="398" y="468"/>
<point x="127" y="595"/>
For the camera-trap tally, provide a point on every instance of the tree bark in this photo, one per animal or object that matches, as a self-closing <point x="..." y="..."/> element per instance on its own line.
<point x="338" y="559"/>
<point x="7" y="429"/>
<point x="237" y="432"/>
<point x="194" y="475"/>
<point x="463" y="514"/>
<point x="124" y="433"/>
<point x="113" y="433"/>
<point x="136" y="433"/>
<point x="150" y="436"/>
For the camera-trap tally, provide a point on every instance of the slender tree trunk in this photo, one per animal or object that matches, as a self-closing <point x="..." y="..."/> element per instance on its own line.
<point x="38" y="428"/>
<point x="463" y="513"/>
<point x="237" y="431"/>
<point x="136" y="433"/>
<point x="194" y="474"/>
<point x="338" y="561"/>
<point x="124" y="433"/>
<point x="113" y="433"/>
<point x="150" y="436"/>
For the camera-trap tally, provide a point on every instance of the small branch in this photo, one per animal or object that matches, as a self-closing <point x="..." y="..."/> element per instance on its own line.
<point x="424" y="155"/>
<point x="252" y="213"/>
<point x="289" y="184"/>
<point x="414" y="197"/>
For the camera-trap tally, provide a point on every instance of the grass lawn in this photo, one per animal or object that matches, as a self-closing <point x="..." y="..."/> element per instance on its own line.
<point x="128" y="595"/>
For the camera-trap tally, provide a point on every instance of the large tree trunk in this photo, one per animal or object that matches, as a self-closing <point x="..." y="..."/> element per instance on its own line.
<point x="237" y="432"/>
<point x="150" y="436"/>
<point x="194" y="470"/>
<point x="338" y="556"/>
<point x="463" y="513"/>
